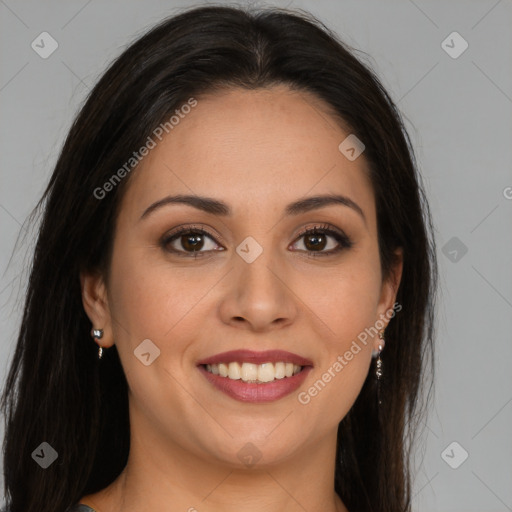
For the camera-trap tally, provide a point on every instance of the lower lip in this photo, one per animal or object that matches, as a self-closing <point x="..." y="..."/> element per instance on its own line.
<point x="256" y="393"/>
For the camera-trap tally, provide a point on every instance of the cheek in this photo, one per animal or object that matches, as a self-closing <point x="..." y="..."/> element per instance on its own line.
<point x="150" y="302"/>
<point x="336" y="383"/>
<point x="346" y="299"/>
<point x="346" y="351"/>
<point x="347" y="303"/>
<point x="149" y="296"/>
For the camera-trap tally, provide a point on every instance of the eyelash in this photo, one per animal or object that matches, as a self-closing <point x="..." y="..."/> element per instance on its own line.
<point x="325" y="229"/>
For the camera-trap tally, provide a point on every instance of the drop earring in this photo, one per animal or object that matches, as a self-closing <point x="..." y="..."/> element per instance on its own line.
<point x="378" y="371"/>
<point x="97" y="334"/>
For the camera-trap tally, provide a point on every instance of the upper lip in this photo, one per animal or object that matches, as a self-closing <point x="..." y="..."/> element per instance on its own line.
<point x="249" y="356"/>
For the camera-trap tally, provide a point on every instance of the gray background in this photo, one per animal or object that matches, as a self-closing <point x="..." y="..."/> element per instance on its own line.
<point x="458" y="112"/>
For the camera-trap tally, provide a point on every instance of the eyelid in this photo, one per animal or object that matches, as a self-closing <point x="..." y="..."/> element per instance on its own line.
<point x="196" y="227"/>
<point x="323" y="227"/>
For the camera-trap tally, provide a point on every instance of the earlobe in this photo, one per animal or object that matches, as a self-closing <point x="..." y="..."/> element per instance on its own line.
<point x="95" y="302"/>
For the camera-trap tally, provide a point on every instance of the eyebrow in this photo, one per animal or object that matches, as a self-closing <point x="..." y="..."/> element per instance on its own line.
<point x="216" y="207"/>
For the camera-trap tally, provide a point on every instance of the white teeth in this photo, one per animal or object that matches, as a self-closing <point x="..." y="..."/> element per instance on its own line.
<point x="234" y="371"/>
<point x="250" y="372"/>
<point x="266" y="372"/>
<point x="223" y="369"/>
<point x="280" y="370"/>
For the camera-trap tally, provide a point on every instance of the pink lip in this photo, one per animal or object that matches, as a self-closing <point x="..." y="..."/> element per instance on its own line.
<point x="249" y="356"/>
<point x="252" y="392"/>
<point x="256" y="393"/>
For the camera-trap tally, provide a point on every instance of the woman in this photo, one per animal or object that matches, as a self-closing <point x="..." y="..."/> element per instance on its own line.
<point x="232" y="293"/>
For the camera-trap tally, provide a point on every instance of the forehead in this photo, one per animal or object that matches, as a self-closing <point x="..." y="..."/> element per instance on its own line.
<point x="259" y="148"/>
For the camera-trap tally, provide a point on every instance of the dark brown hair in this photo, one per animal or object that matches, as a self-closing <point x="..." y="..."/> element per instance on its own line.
<point x="56" y="389"/>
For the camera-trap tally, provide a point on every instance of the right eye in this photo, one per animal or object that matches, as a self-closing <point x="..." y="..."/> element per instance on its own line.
<point x="190" y="239"/>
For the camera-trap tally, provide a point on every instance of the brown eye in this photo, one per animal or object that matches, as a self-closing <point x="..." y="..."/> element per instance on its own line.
<point x="187" y="241"/>
<point x="195" y="242"/>
<point x="192" y="241"/>
<point x="316" y="240"/>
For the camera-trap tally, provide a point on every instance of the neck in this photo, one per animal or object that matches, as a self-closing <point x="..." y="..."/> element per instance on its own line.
<point x="176" y="479"/>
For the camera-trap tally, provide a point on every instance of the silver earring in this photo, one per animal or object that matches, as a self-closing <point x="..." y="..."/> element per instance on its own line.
<point x="97" y="334"/>
<point x="378" y="371"/>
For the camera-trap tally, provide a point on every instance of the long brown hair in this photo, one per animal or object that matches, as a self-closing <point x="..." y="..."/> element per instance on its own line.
<point x="56" y="390"/>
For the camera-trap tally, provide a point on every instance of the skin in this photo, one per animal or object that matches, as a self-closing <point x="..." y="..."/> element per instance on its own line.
<point x="257" y="151"/>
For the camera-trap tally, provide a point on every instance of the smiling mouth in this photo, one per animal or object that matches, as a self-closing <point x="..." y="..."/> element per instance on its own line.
<point x="254" y="373"/>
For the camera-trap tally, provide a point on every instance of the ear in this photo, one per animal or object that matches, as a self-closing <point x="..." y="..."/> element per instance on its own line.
<point x="389" y="289"/>
<point x="95" y="301"/>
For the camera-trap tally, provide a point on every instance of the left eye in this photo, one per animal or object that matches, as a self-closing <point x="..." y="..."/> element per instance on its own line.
<point x="317" y="241"/>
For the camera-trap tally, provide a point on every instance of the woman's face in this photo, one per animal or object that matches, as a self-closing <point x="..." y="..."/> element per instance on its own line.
<point x="253" y="283"/>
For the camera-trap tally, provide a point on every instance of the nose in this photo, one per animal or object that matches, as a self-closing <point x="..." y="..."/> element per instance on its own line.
<point x="259" y="296"/>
